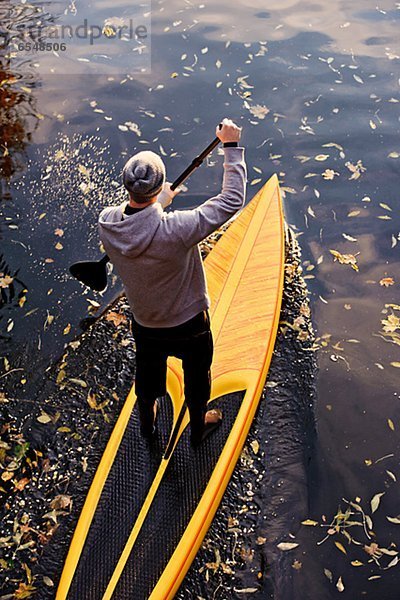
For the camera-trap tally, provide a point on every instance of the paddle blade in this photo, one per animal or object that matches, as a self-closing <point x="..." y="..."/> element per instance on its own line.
<point x="91" y="273"/>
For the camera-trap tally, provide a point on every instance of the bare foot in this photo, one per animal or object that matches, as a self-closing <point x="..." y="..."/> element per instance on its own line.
<point x="213" y="416"/>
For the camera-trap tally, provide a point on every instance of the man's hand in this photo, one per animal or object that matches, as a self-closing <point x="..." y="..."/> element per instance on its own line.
<point x="229" y="132"/>
<point x="166" y="196"/>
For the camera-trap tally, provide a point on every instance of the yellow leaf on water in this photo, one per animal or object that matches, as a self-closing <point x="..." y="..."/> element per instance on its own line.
<point x="345" y="259"/>
<point x="341" y="547"/>
<point x="79" y="382"/>
<point x="376" y="501"/>
<point x="44" y="418"/>
<point x="91" y="400"/>
<point x="390" y="422"/>
<point x="287" y="546"/>
<point x="395" y="364"/>
<point x="395" y="520"/>
<point x="386" y="281"/>
<point x="309" y="522"/>
<point x="116" y="318"/>
<point x="255" y="446"/>
<point x="357" y="563"/>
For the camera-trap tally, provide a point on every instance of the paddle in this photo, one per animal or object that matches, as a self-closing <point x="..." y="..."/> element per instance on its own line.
<point x="94" y="273"/>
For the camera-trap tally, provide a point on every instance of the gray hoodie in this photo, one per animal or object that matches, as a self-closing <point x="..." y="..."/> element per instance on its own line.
<point x="156" y="253"/>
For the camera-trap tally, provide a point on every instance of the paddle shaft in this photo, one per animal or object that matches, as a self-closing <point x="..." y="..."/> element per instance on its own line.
<point x="196" y="162"/>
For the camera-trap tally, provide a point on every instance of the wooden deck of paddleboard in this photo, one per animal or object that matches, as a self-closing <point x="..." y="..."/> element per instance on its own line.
<point x="245" y="279"/>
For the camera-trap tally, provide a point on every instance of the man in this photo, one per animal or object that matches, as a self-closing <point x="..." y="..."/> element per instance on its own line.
<point x="157" y="257"/>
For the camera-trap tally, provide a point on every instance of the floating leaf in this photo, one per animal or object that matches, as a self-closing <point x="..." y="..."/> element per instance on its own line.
<point x="345" y="259"/>
<point x="341" y="547"/>
<point x="340" y="585"/>
<point x="255" y="446"/>
<point x="391" y="475"/>
<point x="357" y="563"/>
<point x="393" y="562"/>
<point x="321" y="157"/>
<point x="311" y="211"/>
<point x="61" y="502"/>
<point x="390" y="422"/>
<point x="329" y="174"/>
<point x="79" y="382"/>
<point x="371" y="549"/>
<point x="395" y="520"/>
<point x="116" y="318"/>
<point x="349" y="237"/>
<point x="376" y="501"/>
<point x="287" y="546"/>
<point x="21" y="484"/>
<point x="44" y="418"/>
<point x="309" y="522"/>
<point x="386" y="281"/>
<point x="259" y="110"/>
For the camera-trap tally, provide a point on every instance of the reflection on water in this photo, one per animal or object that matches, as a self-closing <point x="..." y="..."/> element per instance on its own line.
<point x="316" y="88"/>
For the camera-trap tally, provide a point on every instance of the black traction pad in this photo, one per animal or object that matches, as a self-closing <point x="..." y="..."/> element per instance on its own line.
<point x="178" y="495"/>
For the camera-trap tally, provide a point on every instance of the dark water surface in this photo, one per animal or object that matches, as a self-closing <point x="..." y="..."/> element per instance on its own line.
<point x="316" y="87"/>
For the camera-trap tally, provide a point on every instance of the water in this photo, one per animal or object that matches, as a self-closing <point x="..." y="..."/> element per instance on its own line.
<point x="316" y="87"/>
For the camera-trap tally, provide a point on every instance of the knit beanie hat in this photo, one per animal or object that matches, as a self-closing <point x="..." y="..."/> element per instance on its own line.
<point x="144" y="175"/>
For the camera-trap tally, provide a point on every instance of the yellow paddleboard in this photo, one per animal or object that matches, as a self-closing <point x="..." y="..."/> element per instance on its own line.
<point x="245" y="279"/>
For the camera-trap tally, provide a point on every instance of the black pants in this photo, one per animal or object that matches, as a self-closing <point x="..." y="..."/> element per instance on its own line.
<point x="192" y="343"/>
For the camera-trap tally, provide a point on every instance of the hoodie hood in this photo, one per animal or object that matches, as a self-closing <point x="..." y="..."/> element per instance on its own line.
<point x="129" y="235"/>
